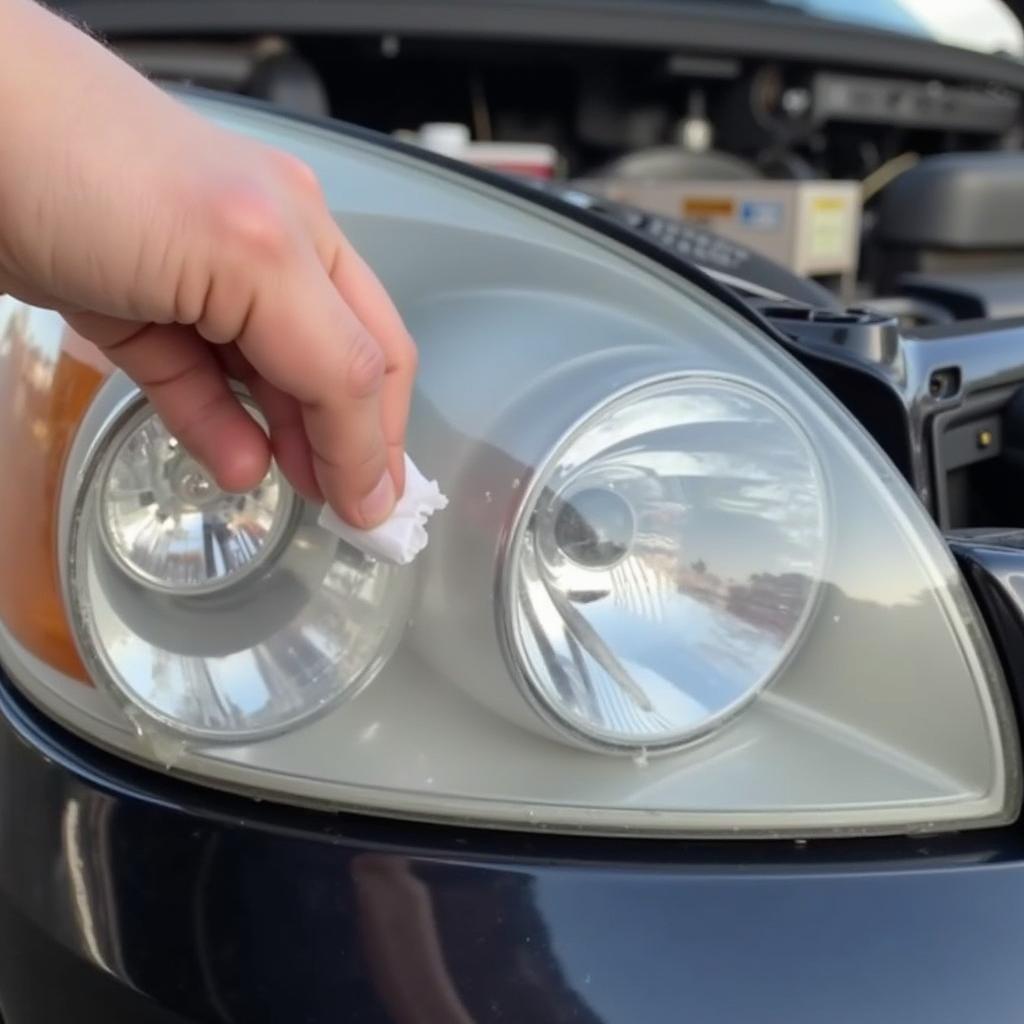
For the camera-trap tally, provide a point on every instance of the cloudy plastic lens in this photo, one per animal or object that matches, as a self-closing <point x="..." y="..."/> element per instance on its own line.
<point x="167" y="522"/>
<point x="889" y="713"/>
<point x="666" y="564"/>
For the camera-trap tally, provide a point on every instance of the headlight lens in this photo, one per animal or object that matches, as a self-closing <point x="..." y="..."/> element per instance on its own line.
<point x="666" y="563"/>
<point x="660" y="529"/>
<point x="216" y="616"/>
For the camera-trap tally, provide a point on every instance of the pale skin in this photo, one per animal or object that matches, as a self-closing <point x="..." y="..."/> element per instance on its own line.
<point x="192" y="256"/>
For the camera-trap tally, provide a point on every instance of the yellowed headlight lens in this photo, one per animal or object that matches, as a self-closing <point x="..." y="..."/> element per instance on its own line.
<point x="48" y="376"/>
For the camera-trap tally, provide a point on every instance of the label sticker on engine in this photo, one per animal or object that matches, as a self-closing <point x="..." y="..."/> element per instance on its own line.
<point x="761" y="215"/>
<point x="708" y="207"/>
<point x="830" y="228"/>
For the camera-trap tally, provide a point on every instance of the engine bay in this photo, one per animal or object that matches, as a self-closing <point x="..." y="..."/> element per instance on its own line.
<point x="608" y="111"/>
<point x="732" y="144"/>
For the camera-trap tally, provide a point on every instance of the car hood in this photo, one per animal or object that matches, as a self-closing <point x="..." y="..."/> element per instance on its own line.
<point x="749" y="30"/>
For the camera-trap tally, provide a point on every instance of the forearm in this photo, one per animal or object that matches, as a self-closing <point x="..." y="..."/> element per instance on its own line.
<point x="64" y="100"/>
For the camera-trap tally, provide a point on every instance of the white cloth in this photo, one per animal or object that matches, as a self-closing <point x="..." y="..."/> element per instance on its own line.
<point x="403" y="535"/>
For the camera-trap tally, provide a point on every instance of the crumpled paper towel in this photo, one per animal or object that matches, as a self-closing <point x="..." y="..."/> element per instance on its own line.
<point x="403" y="535"/>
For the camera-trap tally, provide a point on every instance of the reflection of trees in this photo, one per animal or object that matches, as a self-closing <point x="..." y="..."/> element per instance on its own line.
<point x="770" y="602"/>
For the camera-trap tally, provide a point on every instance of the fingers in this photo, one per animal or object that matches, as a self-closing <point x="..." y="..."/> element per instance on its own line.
<point x="283" y="416"/>
<point x="302" y="338"/>
<point x="366" y="297"/>
<point x="276" y="297"/>
<point x="181" y="377"/>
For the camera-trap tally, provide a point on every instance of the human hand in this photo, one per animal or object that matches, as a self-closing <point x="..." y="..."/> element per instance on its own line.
<point x="192" y="256"/>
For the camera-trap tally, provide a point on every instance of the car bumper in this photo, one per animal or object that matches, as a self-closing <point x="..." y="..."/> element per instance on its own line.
<point x="127" y="896"/>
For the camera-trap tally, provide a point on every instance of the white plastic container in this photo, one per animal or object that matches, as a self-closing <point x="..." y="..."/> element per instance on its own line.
<point x="527" y="159"/>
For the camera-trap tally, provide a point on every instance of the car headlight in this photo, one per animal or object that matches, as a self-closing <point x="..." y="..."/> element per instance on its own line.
<point x="677" y="590"/>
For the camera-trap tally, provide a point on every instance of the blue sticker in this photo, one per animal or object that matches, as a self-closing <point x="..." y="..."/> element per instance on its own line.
<point x="761" y="215"/>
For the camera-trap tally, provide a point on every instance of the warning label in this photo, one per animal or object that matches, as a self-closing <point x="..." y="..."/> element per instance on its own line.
<point x="830" y="224"/>
<point x="761" y="215"/>
<point x="708" y="207"/>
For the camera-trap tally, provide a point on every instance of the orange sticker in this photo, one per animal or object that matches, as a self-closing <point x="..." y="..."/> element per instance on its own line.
<point x="708" y="207"/>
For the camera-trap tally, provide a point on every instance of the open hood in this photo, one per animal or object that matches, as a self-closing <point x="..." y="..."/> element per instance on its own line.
<point x="770" y="30"/>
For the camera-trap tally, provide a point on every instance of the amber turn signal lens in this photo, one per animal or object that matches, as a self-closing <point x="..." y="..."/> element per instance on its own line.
<point x="46" y="385"/>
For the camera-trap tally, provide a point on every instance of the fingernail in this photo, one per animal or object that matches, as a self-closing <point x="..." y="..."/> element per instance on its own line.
<point x="377" y="505"/>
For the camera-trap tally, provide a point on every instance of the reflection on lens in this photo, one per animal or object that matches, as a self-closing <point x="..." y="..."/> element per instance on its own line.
<point x="666" y="564"/>
<point x="216" y="687"/>
<point x="594" y="527"/>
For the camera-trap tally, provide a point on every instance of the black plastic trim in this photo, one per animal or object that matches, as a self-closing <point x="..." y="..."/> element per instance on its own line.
<point x="992" y="561"/>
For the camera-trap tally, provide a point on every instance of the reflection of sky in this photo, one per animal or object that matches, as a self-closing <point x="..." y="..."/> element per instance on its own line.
<point x="985" y="25"/>
<point x="706" y="651"/>
<point x="690" y="659"/>
<point x="887" y="14"/>
<point x="44" y="329"/>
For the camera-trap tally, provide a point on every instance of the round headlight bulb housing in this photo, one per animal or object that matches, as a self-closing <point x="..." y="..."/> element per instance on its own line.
<point x="167" y="523"/>
<point x="208" y="615"/>
<point x="664" y="564"/>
